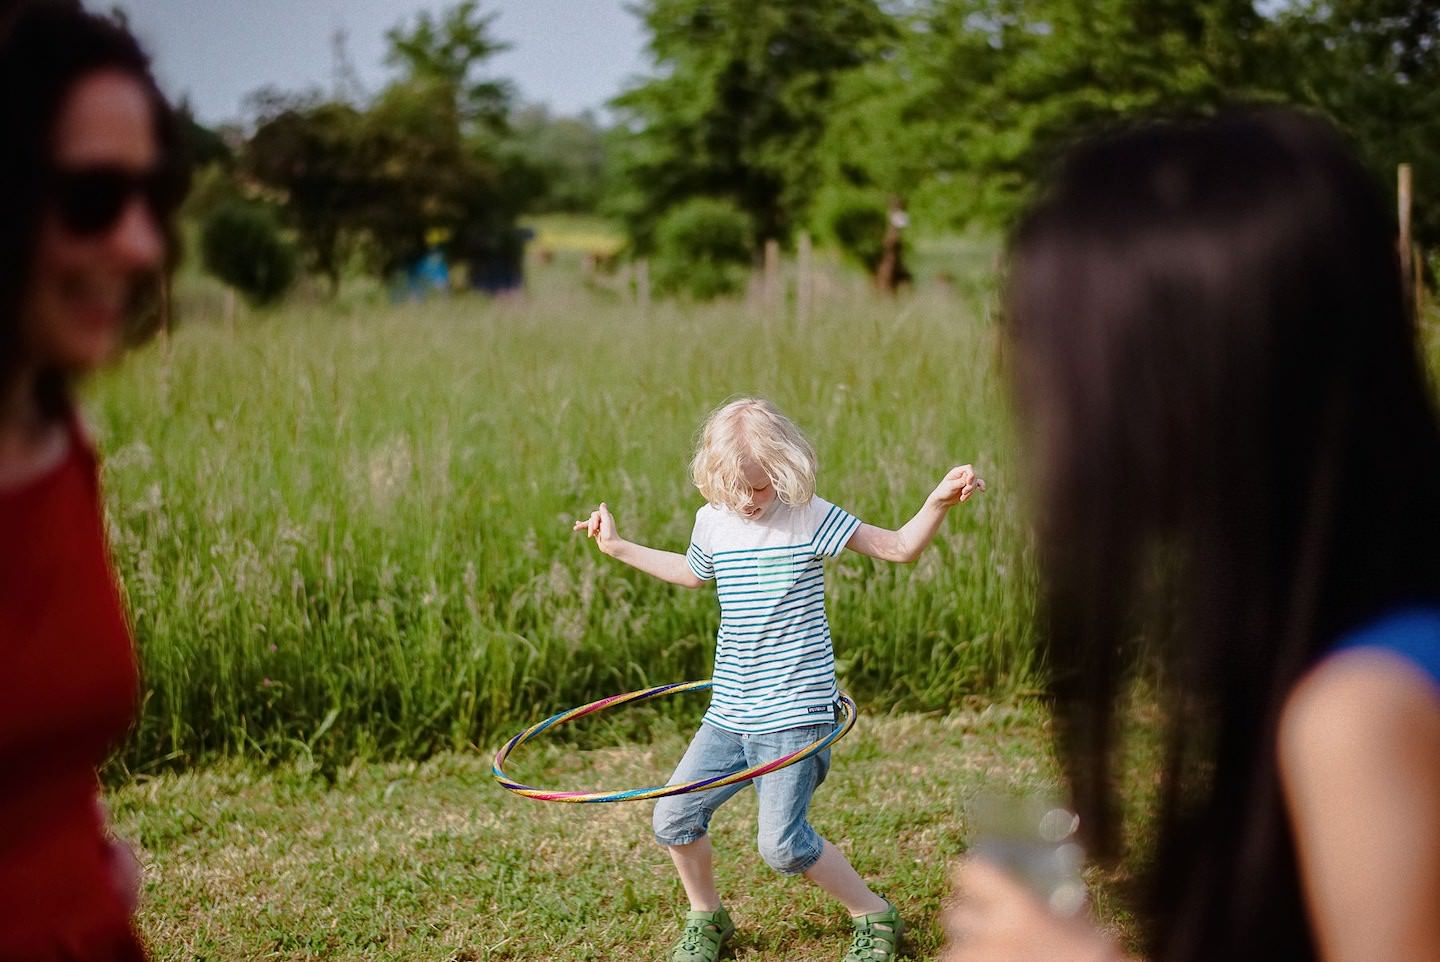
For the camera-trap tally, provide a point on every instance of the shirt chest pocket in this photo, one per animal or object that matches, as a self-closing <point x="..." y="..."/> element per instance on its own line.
<point x="776" y="575"/>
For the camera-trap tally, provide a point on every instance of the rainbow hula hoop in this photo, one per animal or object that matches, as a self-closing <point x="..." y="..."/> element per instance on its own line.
<point x="497" y="770"/>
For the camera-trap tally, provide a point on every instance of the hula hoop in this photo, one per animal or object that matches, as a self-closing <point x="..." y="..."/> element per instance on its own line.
<point x="497" y="770"/>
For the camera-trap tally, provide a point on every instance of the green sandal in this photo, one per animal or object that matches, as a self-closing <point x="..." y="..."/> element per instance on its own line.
<point x="704" y="934"/>
<point x="877" y="937"/>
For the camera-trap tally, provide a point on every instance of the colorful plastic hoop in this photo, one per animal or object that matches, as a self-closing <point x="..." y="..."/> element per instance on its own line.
<point x="497" y="770"/>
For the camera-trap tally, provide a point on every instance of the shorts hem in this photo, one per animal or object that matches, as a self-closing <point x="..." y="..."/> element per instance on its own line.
<point x="807" y="865"/>
<point x="685" y="839"/>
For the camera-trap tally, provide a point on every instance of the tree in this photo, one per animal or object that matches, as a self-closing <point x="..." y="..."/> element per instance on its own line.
<point x="449" y="49"/>
<point x="1374" y="66"/>
<point x="983" y="93"/>
<point x="423" y="171"/>
<point x="374" y="183"/>
<point x="740" y="99"/>
<point x="570" y="155"/>
<point x="318" y="161"/>
<point x="381" y="180"/>
<point x="453" y="163"/>
<point x="202" y="146"/>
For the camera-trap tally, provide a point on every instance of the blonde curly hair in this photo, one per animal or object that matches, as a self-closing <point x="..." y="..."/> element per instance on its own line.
<point x="751" y="430"/>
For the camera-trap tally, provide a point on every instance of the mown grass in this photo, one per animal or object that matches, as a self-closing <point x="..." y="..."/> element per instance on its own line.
<point x="431" y="861"/>
<point x="345" y="532"/>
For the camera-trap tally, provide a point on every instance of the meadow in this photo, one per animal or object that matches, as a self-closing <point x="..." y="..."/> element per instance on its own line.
<point x="344" y="534"/>
<point x="344" y="530"/>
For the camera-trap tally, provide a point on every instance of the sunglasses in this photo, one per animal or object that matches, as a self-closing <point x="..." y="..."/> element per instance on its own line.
<point x="91" y="200"/>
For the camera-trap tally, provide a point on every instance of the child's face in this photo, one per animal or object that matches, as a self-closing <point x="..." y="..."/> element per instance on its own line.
<point x="762" y="492"/>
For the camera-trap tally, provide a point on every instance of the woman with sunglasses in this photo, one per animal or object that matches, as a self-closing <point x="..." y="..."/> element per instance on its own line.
<point x="88" y="182"/>
<point x="1208" y="332"/>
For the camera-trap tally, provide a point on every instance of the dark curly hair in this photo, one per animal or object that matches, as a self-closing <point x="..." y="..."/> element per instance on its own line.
<point x="46" y="47"/>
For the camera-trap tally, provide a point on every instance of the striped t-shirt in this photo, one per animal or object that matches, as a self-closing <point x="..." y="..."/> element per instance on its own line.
<point x="774" y="666"/>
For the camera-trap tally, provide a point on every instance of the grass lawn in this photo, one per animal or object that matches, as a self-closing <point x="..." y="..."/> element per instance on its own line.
<point x="432" y="861"/>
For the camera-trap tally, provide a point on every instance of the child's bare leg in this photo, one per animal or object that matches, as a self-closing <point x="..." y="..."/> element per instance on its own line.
<point x="834" y="874"/>
<point x="695" y="864"/>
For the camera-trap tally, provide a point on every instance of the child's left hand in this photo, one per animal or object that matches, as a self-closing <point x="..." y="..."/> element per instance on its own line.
<point x="957" y="486"/>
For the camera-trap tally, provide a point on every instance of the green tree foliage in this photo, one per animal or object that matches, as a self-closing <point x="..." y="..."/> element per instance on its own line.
<point x="318" y="161"/>
<point x="740" y="99"/>
<point x="202" y="145"/>
<point x="241" y="244"/>
<point x="449" y="49"/>
<point x="1374" y="65"/>
<point x="855" y="221"/>
<point x="425" y="157"/>
<point x="981" y="94"/>
<point x="569" y="155"/>
<point x="702" y="249"/>
<point x="426" y="175"/>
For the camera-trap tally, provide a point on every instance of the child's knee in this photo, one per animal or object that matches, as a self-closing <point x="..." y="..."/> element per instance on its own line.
<point x="678" y="821"/>
<point x="793" y="853"/>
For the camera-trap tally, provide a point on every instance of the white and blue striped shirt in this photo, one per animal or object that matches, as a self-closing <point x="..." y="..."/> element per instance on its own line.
<point x="774" y="665"/>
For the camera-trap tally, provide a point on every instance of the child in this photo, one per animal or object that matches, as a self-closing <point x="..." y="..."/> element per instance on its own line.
<point x="761" y="537"/>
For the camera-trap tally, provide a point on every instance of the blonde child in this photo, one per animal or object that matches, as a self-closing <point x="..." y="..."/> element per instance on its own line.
<point x="761" y="537"/>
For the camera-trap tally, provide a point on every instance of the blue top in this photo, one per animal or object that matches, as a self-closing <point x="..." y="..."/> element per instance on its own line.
<point x="1413" y="633"/>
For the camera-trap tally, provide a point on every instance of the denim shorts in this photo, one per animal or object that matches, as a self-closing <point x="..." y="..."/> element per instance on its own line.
<point x="785" y="839"/>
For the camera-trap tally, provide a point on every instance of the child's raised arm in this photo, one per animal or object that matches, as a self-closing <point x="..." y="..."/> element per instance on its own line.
<point x="906" y="544"/>
<point x="665" y="565"/>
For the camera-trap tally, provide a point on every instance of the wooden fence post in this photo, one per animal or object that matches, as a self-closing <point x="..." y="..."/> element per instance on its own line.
<point x="231" y="308"/>
<point x="642" y="286"/>
<point x="1408" y="267"/>
<point x="1419" y="287"/>
<point x="770" y="286"/>
<point x="804" y="286"/>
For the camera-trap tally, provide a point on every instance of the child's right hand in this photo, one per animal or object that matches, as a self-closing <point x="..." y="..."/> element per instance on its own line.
<point x="957" y="486"/>
<point x="600" y="526"/>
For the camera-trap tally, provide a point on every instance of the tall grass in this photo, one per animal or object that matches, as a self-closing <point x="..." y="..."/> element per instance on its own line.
<point x="347" y="532"/>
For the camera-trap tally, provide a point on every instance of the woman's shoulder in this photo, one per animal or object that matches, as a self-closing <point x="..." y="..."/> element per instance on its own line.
<point x="1380" y="680"/>
<point x="1356" y="747"/>
<point x="1410" y="632"/>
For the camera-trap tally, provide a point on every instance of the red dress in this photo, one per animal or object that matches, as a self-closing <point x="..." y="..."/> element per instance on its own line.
<point x="68" y="693"/>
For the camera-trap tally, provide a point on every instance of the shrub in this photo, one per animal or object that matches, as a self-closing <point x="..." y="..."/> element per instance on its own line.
<point x="241" y="244"/>
<point x="703" y="250"/>
<point x="856" y="222"/>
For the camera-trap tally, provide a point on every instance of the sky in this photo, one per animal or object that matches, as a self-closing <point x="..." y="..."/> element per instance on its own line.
<point x="573" y="55"/>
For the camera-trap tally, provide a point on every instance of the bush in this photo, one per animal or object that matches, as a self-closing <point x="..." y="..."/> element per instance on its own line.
<point x="241" y="244"/>
<point x="703" y="250"/>
<point x="856" y="221"/>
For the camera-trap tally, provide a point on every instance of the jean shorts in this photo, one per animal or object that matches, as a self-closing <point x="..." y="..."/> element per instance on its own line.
<point x="785" y="838"/>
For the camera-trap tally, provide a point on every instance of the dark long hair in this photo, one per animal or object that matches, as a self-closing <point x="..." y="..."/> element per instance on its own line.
<point x="1235" y="459"/>
<point x="46" y="47"/>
